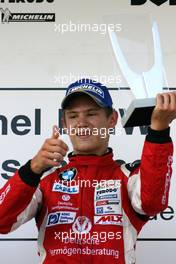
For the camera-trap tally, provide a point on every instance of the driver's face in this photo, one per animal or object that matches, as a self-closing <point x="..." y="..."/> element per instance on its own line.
<point x="90" y="123"/>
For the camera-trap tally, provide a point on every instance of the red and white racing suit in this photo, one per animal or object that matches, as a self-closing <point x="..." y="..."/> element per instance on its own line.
<point x="92" y="209"/>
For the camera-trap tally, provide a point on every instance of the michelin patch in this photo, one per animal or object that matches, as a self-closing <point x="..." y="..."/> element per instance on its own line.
<point x="68" y="175"/>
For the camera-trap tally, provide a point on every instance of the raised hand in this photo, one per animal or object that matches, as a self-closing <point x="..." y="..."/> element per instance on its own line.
<point x="164" y="112"/>
<point x="51" y="153"/>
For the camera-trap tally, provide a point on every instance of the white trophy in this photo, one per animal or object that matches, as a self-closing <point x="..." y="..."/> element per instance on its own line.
<point x="144" y="86"/>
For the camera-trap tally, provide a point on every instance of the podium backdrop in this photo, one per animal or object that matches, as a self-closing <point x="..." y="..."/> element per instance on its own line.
<point x="26" y="120"/>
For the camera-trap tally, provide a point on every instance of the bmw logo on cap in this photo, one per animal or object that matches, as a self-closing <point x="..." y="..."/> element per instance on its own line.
<point x="68" y="175"/>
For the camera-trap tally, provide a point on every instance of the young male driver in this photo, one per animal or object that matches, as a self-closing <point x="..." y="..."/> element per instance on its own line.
<point x="91" y="223"/>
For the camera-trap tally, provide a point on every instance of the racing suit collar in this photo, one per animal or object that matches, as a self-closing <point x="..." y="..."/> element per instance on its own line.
<point x="92" y="159"/>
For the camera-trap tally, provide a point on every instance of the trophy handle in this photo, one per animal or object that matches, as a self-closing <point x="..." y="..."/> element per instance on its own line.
<point x="154" y="78"/>
<point x="134" y="80"/>
<point x="149" y="83"/>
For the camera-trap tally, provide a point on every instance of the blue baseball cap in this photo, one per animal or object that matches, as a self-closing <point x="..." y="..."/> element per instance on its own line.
<point x="97" y="91"/>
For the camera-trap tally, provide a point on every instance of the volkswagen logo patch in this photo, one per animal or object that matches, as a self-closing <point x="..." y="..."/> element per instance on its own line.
<point x="65" y="197"/>
<point x="68" y="175"/>
<point x="82" y="225"/>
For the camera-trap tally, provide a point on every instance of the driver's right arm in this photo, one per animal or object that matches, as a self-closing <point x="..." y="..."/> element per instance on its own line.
<point x="21" y="196"/>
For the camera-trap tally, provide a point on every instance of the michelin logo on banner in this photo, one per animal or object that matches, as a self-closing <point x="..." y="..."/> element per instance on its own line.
<point x="7" y="16"/>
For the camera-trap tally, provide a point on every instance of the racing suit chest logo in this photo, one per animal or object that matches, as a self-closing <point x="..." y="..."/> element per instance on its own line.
<point x="68" y="175"/>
